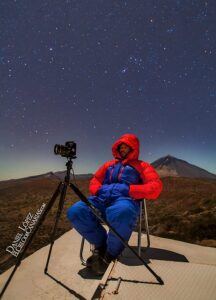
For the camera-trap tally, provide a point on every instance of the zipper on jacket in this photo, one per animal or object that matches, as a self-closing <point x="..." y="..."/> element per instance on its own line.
<point x="115" y="172"/>
<point x="111" y="174"/>
<point x="120" y="173"/>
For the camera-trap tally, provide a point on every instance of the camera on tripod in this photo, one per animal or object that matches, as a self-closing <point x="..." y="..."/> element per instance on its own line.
<point x="68" y="150"/>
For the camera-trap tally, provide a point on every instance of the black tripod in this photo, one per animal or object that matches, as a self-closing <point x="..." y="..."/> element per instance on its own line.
<point x="62" y="189"/>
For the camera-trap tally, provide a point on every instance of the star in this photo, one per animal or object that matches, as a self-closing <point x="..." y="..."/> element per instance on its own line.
<point x="124" y="70"/>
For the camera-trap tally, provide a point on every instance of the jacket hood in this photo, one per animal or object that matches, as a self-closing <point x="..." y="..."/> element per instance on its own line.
<point x="132" y="141"/>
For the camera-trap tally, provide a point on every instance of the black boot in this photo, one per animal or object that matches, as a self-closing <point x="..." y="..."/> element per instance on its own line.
<point x="100" y="265"/>
<point x="97" y="253"/>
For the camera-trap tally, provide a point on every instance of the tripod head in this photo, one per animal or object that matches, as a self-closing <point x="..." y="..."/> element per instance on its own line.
<point x="69" y="165"/>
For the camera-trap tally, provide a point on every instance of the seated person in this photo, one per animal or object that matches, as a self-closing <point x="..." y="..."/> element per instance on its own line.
<point x="116" y="188"/>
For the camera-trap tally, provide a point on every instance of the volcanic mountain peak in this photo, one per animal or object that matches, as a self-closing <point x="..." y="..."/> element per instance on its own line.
<point x="171" y="166"/>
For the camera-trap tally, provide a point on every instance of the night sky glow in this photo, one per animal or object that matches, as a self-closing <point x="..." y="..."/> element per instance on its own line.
<point x="90" y="71"/>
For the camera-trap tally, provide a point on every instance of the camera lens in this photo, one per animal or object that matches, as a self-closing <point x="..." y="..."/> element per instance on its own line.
<point x="57" y="149"/>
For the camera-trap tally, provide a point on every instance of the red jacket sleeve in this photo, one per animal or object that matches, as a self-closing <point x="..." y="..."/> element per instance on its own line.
<point x="152" y="186"/>
<point x="98" y="178"/>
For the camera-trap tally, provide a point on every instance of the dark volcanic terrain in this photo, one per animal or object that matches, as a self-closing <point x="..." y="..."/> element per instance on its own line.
<point x="185" y="211"/>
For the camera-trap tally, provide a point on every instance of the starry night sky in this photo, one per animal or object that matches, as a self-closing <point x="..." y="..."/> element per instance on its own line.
<point x="90" y="71"/>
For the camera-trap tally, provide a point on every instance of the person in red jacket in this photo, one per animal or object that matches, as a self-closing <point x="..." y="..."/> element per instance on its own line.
<point x="115" y="188"/>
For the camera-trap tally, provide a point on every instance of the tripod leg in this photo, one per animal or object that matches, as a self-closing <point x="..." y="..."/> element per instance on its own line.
<point x="41" y="219"/>
<point x="58" y="214"/>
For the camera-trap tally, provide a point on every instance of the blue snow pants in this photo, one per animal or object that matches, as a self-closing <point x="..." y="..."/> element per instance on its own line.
<point x="121" y="214"/>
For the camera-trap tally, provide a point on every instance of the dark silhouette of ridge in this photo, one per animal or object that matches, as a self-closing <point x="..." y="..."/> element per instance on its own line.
<point x="50" y="175"/>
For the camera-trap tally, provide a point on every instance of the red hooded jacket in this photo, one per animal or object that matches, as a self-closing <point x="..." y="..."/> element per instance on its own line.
<point x="151" y="185"/>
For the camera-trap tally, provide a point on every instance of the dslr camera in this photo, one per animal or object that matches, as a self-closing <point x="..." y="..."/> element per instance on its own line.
<point x="68" y="150"/>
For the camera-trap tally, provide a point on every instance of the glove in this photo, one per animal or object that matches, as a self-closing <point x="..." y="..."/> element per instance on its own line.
<point x="113" y="190"/>
<point x="105" y="191"/>
<point x="120" y="190"/>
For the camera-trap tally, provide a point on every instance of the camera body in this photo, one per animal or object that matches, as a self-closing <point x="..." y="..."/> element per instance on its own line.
<point x="68" y="150"/>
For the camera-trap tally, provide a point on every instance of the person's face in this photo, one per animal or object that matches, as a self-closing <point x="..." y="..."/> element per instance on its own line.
<point x="124" y="150"/>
